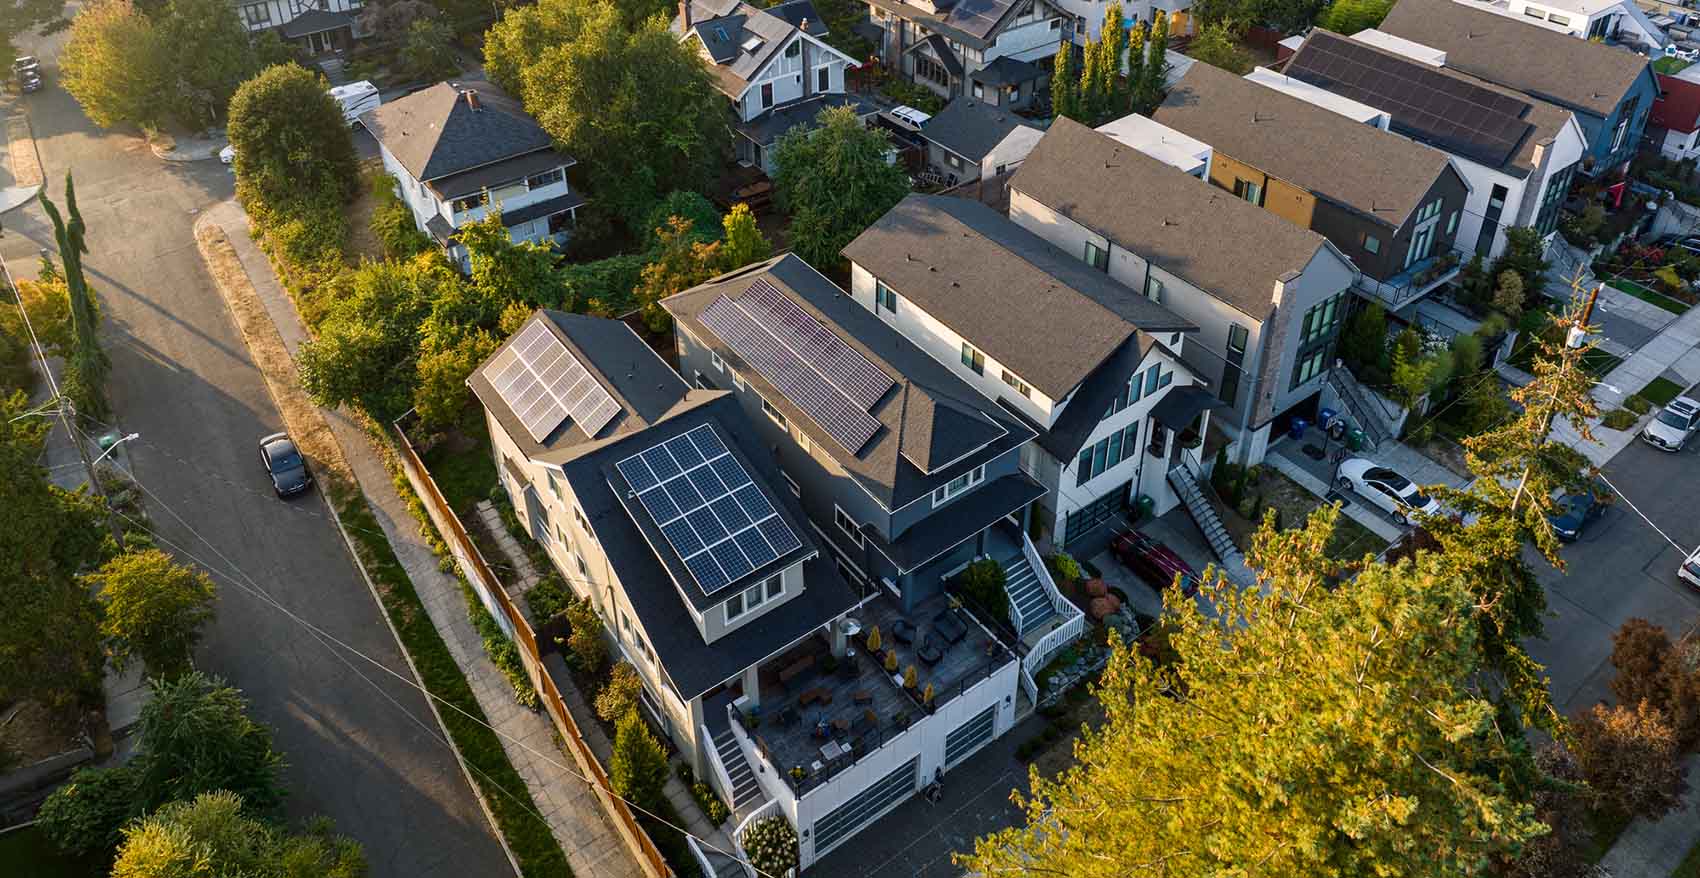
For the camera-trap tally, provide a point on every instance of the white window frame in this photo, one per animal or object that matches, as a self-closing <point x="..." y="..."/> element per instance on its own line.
<point x="884" y="297"/>
<point x="854" y="532"/>
<point x="973" y="358"/>
<point x="796" y="490"/>
<point x="802" y="439"/>
<point x="955" y="487"/>
<point x="1018" y="385"/>
<point x="774" y="414"/>
<point x="774" y="586"/>
<point x="738" y="382"/>
<point x="714" y="360"/>
<point x="731" y="614"/>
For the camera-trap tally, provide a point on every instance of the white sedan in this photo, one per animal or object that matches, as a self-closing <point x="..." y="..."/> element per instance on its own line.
<point x="1674" y="423"/>
<point x="1387" y="489"/>
<point x="1690" y="569"/>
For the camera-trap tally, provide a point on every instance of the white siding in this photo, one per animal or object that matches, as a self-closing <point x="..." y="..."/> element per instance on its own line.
<point x="1011" y="151"/>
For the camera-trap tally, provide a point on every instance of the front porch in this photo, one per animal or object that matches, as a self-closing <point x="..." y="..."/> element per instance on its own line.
<point x="1417" y="280"/>
<point x="320" y="32"/>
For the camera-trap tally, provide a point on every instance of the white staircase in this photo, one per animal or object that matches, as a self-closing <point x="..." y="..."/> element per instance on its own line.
<point x="1029" y="605"/>
<point x="746" y="792"/>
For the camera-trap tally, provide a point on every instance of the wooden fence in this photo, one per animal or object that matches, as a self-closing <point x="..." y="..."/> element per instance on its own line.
<point x="490" y="590"/>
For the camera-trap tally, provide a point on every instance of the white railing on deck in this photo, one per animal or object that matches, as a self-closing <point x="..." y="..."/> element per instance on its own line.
<point x="702" y="859"/>
<point x="767" y="810"/>
<point x="720" y="772"/>
<point x="1072" y="626"/>
<point x="1030" y="687"/>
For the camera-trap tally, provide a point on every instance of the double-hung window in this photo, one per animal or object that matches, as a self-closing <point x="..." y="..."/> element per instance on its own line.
<point x="973" y="358"/>
<point x="847" y="524"/>
<point x="1019" y="385"/>
<point x="885" y="298"/>
<point x="1097" y="257"/>
<point x="969" y="479"/>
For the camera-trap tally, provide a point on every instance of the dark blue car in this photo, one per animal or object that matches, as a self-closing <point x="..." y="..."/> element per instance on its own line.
<point x="1573" y="513"/>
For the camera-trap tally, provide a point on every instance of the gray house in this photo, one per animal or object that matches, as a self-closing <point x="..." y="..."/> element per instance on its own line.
<point x="1268" y="296"/>
<point x="969" y="139"/>
<point x="943" y="45"/>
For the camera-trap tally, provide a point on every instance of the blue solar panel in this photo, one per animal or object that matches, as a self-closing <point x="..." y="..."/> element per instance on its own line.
<point x="709" y="509"/>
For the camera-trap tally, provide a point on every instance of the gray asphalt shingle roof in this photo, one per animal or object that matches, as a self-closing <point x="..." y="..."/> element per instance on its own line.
<point x="971" y="128"/>
<point x="1045" y="314"/>
<point x="435" y="132"/>
<point x="1231" y="250"/>
<point x="725" y="26"/>
<point x="1380" y="175"/>
<point x="1575" y="73"/>
<point x="934" y="427"/>
<point x="971" y="22"/>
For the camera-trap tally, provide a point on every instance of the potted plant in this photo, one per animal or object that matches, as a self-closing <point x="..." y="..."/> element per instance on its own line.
<point x="909" y="678"/>
<point x="901" y="720"/>
<point x="891" y="661"/>
<point x="874" y="641"/>
<point x="927" y="698"/>
<point x="798" y="773"/>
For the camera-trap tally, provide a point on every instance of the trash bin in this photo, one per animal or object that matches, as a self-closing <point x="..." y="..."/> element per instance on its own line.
<point x="1142" y="506"/>
<point x="1297" y="429"/>
<point x="1356" y="440"/>
<point x="1325" y="417"/>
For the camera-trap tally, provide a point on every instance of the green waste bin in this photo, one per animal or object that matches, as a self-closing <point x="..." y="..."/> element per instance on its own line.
<point x="1142" y="506"/>
<point x="1356" y="440"/>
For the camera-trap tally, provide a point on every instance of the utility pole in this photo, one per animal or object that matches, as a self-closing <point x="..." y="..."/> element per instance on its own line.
<point x="1576" y="335"/>
<point x="68" y="417"/>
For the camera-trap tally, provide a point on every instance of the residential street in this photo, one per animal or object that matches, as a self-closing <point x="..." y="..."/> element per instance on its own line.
<point x="368" y="756"/>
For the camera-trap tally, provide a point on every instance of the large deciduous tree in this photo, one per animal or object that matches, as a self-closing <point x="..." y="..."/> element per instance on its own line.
<point x="367" y="347"/>
<point x="153" y="609"/>
<point x="1218" y="44"/>
<point x="210" y="55"/>
<point x="681" y="262"/>
<point x="213" y="834"/>
<point x="291" y="141"/>
<point x="1303" y="732"/>
<point x="834" y="181"/>
<point x="115" y="65"/>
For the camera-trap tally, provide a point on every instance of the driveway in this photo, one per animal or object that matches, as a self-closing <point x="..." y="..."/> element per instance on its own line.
<point x="366" y="754"/>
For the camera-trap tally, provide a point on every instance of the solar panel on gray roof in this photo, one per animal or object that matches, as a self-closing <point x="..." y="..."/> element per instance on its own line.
<point x="708" y="508"/>
<point x="542" y="382"/>
<point x="809" y="364"/>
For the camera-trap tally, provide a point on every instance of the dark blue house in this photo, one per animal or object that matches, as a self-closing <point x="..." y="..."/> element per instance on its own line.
<point x="1610" y="89"/>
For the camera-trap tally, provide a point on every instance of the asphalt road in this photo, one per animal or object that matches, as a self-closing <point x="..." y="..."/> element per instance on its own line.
<point x="367" y="756"/>
<point x="1620" y="569"/>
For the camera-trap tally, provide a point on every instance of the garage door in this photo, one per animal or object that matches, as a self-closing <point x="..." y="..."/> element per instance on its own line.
<point x="1081" y="521"/>
<point x="842" y="822"/>
<point x="968" y="737"/>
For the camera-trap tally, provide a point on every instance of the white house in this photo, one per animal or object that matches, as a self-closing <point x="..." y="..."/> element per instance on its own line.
<point x="318" y="27"/>
<point x="968" y="140"/>
<point x="1616" y="21"/>
<point x="771" y="64"/>
<point x="460" y="150"/>
<point x="1518" y="157"/>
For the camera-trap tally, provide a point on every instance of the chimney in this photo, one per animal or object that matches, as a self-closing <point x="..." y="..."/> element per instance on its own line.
<point x="684" y="16"/>
<point x="472" y="99"/>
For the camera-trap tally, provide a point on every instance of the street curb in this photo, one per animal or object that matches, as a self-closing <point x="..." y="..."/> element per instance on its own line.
<point x="199" y="153"/>
<point x="205" y="244"/>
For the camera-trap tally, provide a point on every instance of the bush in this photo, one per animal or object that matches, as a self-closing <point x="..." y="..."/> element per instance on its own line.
<point x="548" y="598"/>
<point x="503" y="654"/>
<point x="638" y="769"/>
<point x="983" y="582"/>
<point x="604" y="287"/>
<point x="84" y="816"/>
<point x="1063" y="566"/>
<point x="589" y="651"/>
<point x="1619" y="419"/>
<point x="1638" y="404"/>
<point x="711" y="806"/>
<point x="619" y="696"/>
<point x="1630" y="756"/>
<point x="772" y="846"/>
<point x="392" y="222"/>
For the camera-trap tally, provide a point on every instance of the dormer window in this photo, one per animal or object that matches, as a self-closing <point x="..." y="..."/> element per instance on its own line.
<point x="943" y="493"/>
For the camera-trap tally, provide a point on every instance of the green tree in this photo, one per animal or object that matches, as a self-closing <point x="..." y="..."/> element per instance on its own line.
<point x="197" y="737"/>
<point x="1093" y="101"/>
<point x="153" y="609"/>
<point x="638" y="768"/>
<point x="834" y="182"/>
<point x="1304" y="731"/>
<point x="291" y="141"/>
<point x="704" y="218"/>
<point x="212" y="834"/>
<point x="85" y="379"/>
<point x="30" y="16"/>
<point x="49" y="631"/>
<point x="441" y="396"/>
<point x="1508" y="298"/>
<point x="84" y="816"/>
<point x="1413" y="375"/>
<point x="506" y="272"/>
<point x="1065" y="83"/>
<point x="635" y="106"/>
<point x="1218" y="44"/>
<point x="744" y="243"/>
<point x="1350" y="16"/>
<point x="681" y="262"/>
<point x="1522" y="254"/>
<point x="1364" y="343"/>
<point x="210" y="56"/>
<point x="1114" y="40"/>
<point x="619" y="696"/>
<point x="1152" y="73"/>
<point x="428" y="52"/>
<point x="115" y="65"/>
<point x="367" y="348"/>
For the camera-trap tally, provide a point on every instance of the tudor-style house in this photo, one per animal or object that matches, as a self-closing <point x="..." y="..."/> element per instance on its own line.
<point x="1268" y="296"/>
<point x="317" y="27"/>
<point x="943" y="44"/>
<point x="1517" y="153"/>
<point x="773" y="66"/>
<point x="1391" y="205"/>
<point x="665" y="507"/>
<point x="459" y="151"/>
<point x="1610" y="88"/>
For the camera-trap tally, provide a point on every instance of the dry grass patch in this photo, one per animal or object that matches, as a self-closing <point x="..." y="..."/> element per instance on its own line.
<point x="26" y="165"/>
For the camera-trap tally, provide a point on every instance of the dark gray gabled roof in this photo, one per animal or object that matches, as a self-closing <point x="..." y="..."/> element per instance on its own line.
<point x="940" y="47"/>
<point x="726" y="26"/>
<point x="436" y="132"/>
<point x="1580" y="74"/>
<point x="933" y="426"/>
<point x="693" y="665"/>
<point x="644" y="385"/>
<point x="1045" y="314"/>
<point x="314" y="21"/>
<point x="1006" y="70"/>
<point x="1231" y="250"/>
<point x="1377" y="174"/>
<point x="970" y="22"/>
<point x="1085" y="410"/>
<point x="971" y="129"/>
<point x="773" y="124"/>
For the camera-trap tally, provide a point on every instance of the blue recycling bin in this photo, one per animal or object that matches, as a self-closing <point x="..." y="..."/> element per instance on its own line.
<point x="1298" y="428"/>
<point x="1325" y="416"/>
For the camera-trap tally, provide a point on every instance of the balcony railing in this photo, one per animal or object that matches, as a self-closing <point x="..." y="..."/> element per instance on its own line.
<point x="1414" y="282"/>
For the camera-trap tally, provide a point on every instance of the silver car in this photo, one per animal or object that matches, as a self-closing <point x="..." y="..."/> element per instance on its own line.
<point x="1387" y="489"/>
<point x="1674" y="423"/>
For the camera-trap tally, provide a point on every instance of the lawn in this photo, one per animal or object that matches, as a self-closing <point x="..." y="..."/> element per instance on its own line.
<point x="463" y="468"/>
<point x="28" y="852"/>
<point x="1660" y="391"/>
<point x="1598" y="363"/>
<point x="1670" y="66"/>
<point x="1626" y="285"/>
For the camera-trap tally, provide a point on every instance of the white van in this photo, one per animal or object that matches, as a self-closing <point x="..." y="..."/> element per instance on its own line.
<point x="356" y="98"/>
<point x="909" y="117"/>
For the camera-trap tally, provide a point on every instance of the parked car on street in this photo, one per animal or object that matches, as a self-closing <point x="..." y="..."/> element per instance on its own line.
<point x="1573" y="512"/>
<point x="1385" y="488"/>
<point x="27" y="71"/>
<point x="1671" y="427"/>
<point x="285" y="465"/>
<point x="1690" y="569"/>
<point x="1155" y="563"/>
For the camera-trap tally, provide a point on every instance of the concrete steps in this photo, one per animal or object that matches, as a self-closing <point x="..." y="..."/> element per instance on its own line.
<point x="1027" y="596"/>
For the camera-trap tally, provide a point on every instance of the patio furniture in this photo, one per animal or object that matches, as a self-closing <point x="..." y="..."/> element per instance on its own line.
<point x="868" y="720"/>
<point x="796" y="668"/>
<point x="862" y="696"/>
<point x="929" y="650"/>
<point x="810" y="696"/>
<point x="831" y="750"/>
<point x="841" y="725"/>
<point x="949" y="627"/>
<point x="903" y="631"/>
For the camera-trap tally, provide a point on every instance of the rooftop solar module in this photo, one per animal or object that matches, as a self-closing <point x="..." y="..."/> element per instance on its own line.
<point x="718" y="522"/>
<point x="1453" y="114"/>
<point x="542" y="382"/>
<point x="807" y="362"/>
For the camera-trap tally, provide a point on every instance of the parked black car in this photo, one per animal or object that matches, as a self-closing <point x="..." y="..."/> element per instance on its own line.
<point x="285" y="465"/>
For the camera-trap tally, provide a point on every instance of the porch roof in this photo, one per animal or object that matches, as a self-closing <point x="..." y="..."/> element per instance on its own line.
<point x="957" y="522"/>
<point x="315" y="21"/>
<point x="772" y="125"/>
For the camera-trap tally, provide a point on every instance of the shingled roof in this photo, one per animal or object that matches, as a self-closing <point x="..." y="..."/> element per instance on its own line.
<point x="1580" y="74"/>
<point x="726" y="27"/>
<point x="438" y="131"/>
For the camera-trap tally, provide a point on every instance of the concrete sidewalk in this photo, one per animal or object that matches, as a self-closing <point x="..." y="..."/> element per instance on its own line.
<point x="1675" y="349"/>
<point x="592" y="847"/>
<point x="1654" y="848"/>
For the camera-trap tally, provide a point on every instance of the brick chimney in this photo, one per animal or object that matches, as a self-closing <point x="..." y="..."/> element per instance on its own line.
<point x="684" y="16"/>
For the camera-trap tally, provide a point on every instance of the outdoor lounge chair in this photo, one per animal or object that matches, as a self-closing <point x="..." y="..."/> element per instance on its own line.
<point x="929" y="650"/>
<point x="903" y="631"/>
<point x="949" y="627"/>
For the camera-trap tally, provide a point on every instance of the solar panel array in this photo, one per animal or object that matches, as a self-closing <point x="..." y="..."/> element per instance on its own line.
<point x="712" y="513"/>
<point x="809" y="363"/>
<point x="1457" y="116"/>
<point x="542" y="382"/>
